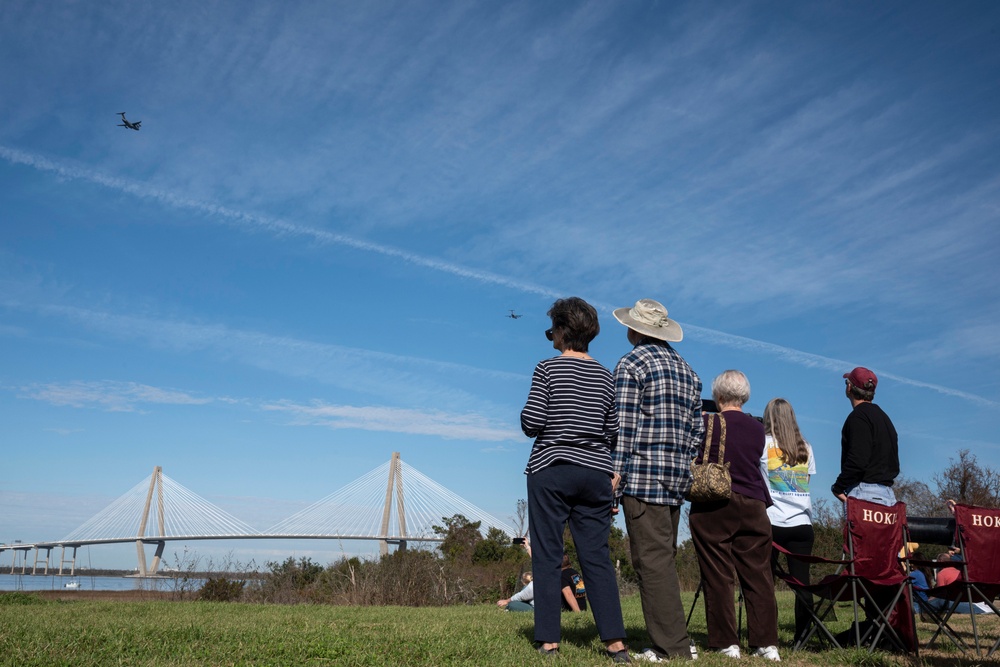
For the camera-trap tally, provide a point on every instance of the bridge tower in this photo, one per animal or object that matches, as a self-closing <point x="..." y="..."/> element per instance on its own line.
<point x="394" y="483"/>
<point x="155" y="486"/>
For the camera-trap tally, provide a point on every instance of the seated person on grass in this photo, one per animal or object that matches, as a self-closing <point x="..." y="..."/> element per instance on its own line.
<point x="524" y="599"/>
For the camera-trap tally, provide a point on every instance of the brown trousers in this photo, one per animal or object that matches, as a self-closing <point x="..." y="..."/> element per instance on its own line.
<point x="735" y="536"/>
<point x="652" y="533"/>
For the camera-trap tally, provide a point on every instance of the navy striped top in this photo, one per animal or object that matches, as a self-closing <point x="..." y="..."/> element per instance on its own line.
<point x="571" y="413"/>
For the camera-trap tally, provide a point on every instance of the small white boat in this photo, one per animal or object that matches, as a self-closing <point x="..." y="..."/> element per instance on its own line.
<point x="72" y="585"/>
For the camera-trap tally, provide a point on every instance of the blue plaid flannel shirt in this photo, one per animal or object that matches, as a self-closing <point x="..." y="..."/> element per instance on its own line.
<point x="659" y="405"/>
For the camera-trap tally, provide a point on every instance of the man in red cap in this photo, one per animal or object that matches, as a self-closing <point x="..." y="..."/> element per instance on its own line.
<point x="869" y="447"/>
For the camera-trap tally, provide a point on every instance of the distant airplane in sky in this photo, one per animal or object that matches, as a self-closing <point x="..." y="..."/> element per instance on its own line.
<point x="514" y="316"/>
<point x="126" y="123"/>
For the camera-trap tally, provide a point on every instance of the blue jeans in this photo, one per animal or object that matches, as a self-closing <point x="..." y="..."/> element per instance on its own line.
<point x="873" y="493"/>
<point x="962" y="608"/>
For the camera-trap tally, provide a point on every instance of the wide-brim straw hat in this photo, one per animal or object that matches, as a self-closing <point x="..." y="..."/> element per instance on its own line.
<point x="649" y="318"/>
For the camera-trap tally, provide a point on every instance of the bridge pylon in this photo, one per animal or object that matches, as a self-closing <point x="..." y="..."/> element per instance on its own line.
<point x="155" y="487"/>
<point x="394" y="483"/>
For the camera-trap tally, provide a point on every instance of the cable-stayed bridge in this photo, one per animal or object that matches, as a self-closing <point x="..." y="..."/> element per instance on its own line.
<point x="392" y="504"/>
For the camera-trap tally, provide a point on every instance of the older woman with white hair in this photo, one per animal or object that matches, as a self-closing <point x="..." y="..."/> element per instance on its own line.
<point x="735" y="534"/>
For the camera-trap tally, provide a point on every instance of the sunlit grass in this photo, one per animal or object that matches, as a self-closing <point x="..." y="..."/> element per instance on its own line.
<point x="81" y="633"/>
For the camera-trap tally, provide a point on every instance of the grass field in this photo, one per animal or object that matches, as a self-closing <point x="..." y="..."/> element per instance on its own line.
<point x="94" y="631"/>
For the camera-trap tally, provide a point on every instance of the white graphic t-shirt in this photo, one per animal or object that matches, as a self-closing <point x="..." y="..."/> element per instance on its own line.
<point x="789" y="486"/>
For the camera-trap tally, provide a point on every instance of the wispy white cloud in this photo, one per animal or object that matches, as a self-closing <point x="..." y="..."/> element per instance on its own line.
<point x="108" y="395"/>
<point x="33" y="517"/>
<point x="499" y="449"/>
<point x="976" y="339"/>
<point x="65" y="431"/>
<point x="397" y="420"/>
<point x="809" y="360"/>
<point x="133" y="397"/>
<point x="405" y="380"/>
<point x="195" y="335"/>
<point x="979" y="339"/>
<point x="13" y="331"/>
<point x="286" y="354"/>
<point x="349" y="366"/>
<point x="250" y="222"/>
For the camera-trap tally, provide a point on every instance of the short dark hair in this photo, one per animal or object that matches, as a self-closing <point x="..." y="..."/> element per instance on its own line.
<point x="576" y="321"/>
<point x="859" y="394"/>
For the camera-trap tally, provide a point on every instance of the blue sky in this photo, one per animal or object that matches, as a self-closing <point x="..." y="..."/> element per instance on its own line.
<point x="304" y="260"/>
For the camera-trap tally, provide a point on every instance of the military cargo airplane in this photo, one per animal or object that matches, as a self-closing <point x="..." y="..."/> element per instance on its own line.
<point x="514" y="316"/>
<point x="125" y="122"/>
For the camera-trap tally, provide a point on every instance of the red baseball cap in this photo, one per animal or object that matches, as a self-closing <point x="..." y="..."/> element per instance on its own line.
<point x="862" y="378"/>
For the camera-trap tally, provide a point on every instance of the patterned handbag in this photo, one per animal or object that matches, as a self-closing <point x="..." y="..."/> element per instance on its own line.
<point x="711" y="481"/>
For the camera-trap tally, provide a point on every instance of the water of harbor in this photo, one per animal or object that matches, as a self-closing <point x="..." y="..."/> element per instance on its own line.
<point x="39" y="582"/>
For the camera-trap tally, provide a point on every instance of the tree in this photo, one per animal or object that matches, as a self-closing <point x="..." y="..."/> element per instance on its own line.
<point x="618" y="549"/>
<point x="289" y="581"/>
<point x="495" y="547"/>
<point x="620" y="554"/>
<point x="919" y="499"/>
<point x="297" y="574"/>
<point x="460" y="537"/>
<point x="965" y="481"/>
<point x="221" y="589"/>
<point x="828" y="534"/>
<point x="521" y="519"/>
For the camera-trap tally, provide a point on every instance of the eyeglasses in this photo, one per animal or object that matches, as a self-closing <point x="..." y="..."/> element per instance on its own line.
<point x="548" y="334"/>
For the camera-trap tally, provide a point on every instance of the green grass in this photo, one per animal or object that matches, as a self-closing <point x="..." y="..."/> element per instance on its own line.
<point x="83" y="633"/>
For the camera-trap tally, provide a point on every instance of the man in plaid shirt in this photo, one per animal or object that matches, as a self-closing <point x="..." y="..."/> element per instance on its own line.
<point x="659" y="405"/>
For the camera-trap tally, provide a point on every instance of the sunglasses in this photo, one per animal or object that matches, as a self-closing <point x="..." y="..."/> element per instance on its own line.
<point x="548" y="334"/>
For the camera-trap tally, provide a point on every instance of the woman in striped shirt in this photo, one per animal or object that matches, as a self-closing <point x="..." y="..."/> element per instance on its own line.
<point x="571" y="414"/>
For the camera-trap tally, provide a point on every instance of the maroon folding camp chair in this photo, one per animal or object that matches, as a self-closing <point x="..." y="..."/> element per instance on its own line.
<point x="872" y="577"/>
<point x="830" y="588"/>
<point x="977" y="534"/>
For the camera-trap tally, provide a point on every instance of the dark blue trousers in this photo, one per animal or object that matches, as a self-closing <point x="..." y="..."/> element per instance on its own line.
<point x="582" y="496"/>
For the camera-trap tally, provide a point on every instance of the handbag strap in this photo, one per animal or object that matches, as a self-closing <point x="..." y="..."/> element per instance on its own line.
<point x="722" y="439"/>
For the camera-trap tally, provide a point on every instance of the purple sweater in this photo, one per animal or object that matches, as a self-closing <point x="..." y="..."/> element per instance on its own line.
<point x="744" y="447"/>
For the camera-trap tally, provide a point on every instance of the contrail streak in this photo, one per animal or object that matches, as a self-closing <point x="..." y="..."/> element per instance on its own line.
<point x="278" y="227"/>
<point x="810" y="360"/>
<point x="263" y="223"/>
